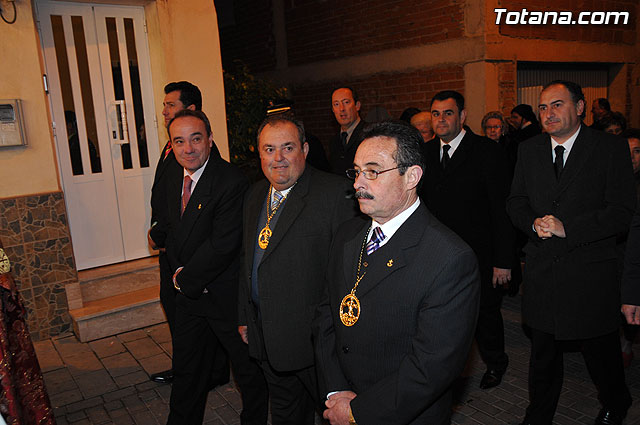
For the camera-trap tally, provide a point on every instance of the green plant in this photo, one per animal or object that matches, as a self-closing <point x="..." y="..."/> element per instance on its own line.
<point x="247" y="99"/>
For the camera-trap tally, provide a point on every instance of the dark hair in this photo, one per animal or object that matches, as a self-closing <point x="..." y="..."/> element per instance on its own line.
<point x="449" y="94"/>
<point x="276" y="120"/>
<point x="408" y="113"/>
<point x="408" y="142"/>
<point x="631" y="133"/>
<point x="604" y="104"/>
<point x="189" y="113"/>
<point x="353" y="92"/>
<point x="574" y="90"/>
<point x="526" y="112"/>
<point x="189" y="94"/>
<point x="613" y="118"/>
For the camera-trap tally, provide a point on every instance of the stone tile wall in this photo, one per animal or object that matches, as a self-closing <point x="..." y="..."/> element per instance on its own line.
<point x="36" y="238"/>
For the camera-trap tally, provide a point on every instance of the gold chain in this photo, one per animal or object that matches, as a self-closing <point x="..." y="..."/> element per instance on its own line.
<point x="350" y="306"/>
<point x="265" y="233"/>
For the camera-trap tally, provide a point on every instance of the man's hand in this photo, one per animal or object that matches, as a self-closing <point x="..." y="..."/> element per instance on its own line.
<point x="631" y="313"/>
<point x="501" y="277"/>
<point x="244" y="334"/>
<point x="554" y="226"/>
<point x="152" y="244"/>
<point x="338" y="407"/>
<point x="542" y="232"/>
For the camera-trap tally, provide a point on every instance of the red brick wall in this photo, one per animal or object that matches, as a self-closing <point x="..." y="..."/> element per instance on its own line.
<point x="334" y="29"/>
<point x="394" y="91"/>
<point x="251" y="38"/>
<point x="615" y="34"/>
<point x="507" y="87"/>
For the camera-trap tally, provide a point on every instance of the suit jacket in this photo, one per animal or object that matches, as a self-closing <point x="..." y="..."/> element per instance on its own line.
<point x="291" y="273"/>
<point x="631" y="274"/>
<point x="341" y="157"/>
<point x="469" y="196"/>
<point x="206" y="239"/>
<point x="570" y="285"/>
<point x="419" y="305"/>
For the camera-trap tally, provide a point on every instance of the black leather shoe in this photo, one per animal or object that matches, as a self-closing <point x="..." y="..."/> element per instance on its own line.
<point x="165" y="377"/>
<point x="491" y="378"/>
<point x="609" y="417"/>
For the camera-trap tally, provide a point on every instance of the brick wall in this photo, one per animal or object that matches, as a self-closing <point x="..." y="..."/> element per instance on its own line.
<point x="615" y="34"/>
<point x="251" y="38"/>
<point x="394" y="91"/>
<point x="507" y="74"/>
<point x="319" y="30"/>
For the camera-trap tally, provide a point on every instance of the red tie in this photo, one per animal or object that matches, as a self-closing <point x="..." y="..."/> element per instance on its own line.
<point x="167" y="150"/>
<point x="186" y="193"/>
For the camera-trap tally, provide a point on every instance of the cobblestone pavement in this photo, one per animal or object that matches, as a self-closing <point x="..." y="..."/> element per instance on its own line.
<point x="106" y="382"/>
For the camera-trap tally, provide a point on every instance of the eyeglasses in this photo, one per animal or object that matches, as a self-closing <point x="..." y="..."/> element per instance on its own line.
<point x="352" y="173"/>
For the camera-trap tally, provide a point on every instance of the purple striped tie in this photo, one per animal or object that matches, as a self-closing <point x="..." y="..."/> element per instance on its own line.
<point x="376" y="238"/>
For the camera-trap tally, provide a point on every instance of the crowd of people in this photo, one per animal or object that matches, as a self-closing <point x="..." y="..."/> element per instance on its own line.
<point x="359" y="300"/>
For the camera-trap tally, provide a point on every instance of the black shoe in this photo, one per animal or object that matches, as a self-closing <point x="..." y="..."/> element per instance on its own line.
<point x="491" y="378"/>
<point x="609" y="417"/>
<point x="165" y="377"/>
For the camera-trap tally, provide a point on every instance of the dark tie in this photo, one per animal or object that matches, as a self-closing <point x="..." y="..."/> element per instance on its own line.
<point x="374" y="242"/>
<point x="559" y="162"/>
<point x="186" y="193"/>
<point x="445" y="156"/>
<point x="343" y="138"/>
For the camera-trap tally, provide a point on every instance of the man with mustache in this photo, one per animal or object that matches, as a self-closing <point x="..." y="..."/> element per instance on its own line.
<point x="466" y="187"/>
<point x="398" y="321"/>
<point x="573" y="193"/>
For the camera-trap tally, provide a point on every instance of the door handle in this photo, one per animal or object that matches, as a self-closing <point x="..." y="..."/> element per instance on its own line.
<point x="118" y="123"/>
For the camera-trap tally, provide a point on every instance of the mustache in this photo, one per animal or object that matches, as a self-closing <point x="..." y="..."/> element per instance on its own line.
<point x="362" y="194"/>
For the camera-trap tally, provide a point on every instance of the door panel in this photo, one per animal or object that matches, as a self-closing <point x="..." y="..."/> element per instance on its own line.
<point x="106" y="179"/>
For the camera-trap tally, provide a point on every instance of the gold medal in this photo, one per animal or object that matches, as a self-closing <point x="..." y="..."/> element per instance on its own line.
<point x="263" y="238"/>
<point x="349" y="310"/>
<point x="265" y="233"/>
<point x="350" y="306"/>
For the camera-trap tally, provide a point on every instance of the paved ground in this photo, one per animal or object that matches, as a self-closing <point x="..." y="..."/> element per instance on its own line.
<point x="106" y="382"/>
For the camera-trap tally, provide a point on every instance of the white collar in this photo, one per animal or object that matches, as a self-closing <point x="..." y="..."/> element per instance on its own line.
<point x="567" y="145"/>
<point x="391" y="227"/>
<point x="454" y="143"/>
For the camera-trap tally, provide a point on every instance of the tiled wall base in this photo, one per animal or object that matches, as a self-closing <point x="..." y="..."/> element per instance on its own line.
<point x="35" y="235"/>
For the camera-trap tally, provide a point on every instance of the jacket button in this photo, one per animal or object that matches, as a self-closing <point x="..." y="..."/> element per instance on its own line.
<point x="345" y="349"/>
<point x="555" y="203"/>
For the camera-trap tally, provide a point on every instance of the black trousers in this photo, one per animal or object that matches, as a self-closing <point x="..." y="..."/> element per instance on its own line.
<point x="293" y="395"/>
<point x="220" y="371"/>
<point x="490" y="328"/>
<point x="194" y="350"/>
<point x="604" y="363"/>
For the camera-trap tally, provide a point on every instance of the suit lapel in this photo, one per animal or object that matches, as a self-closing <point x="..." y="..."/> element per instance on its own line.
<point x="351" y="254"/>
<point x="580" y="152"/>
<point x="291" y="209"/>
<point x="432" y="156"/>
<point x="393" y="255"/>
<point x="460" y="154"/>
<point x="198" y="202"/>
<point x="545" y="166"/>
<point x="253" y="207"/>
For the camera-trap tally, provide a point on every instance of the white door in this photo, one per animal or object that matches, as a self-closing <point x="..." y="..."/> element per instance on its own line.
<point x="101" y="99"/>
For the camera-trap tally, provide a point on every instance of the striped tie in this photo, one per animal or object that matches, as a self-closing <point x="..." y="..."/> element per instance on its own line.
<point x="277" y="197"/>
<point x="376" y="238"/>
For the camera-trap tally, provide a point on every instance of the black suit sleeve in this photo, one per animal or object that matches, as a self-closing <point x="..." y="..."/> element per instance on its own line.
<point x="631" y="274"/>
<point x="518" y="204"/>
<point x="212" y="258"/>
<point x="445" y="325"/>
<point x="495" y="171"/>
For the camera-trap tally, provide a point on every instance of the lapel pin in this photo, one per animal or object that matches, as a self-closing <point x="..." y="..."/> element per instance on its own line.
<point x="199" y="206"/>
<point x="365" y="264"/>
<point x="390" y="263"/>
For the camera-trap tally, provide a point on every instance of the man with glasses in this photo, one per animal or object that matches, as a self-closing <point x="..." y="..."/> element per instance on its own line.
<point x="397" y="324"/>
<point x="466" y="187"/>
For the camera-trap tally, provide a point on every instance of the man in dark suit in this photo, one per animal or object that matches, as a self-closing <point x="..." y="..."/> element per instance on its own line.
<point x="178" y="96"/>
<point x="282" y="278"/>
<point x="466" y="186"/>
<point x="572" y="215"/>
<point x="342" y="148"/>
<point x="398" y="321"/>
<point x="202" y="230"/>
